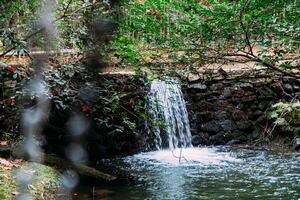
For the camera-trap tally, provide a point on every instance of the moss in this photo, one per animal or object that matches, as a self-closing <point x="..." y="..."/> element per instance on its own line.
<point x="44" y="184"/>
<point x="7" y="183"/>
<point x="46" y="181"/>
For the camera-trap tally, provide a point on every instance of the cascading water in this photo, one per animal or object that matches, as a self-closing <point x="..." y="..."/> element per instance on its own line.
<point x="167" y="107"/>
<point x="170" y="126"/>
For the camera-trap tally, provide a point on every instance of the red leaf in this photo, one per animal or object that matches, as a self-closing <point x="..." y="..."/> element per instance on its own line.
<point x="131" y="101"/>
<point x="11" y="101"/>
<point x="85" y="108"/>
<point x="11" y="68"/>
<point x="54" y="90"/>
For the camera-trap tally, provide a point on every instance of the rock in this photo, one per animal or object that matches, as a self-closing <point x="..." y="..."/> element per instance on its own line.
<point x="254" y="106"/>
<point x="211" y="127"/>
<point x="257" y="113"/>
<point x="238" y="92"/>
<point x="246" y="86"/>
<point x="288" y="87"/>
<point x="297" y="131"/>
<point x="296" y="88"/>
<point x="238" y="115"/>
<point x="228" y="125"/>
<point x="261" y="119"/>
<point x="204" y="106"/>
<point x="226" y="93"/>
<point x="256" y="133"/>
<point x="239" y="135"/>
<point x="239" y="106"/>
<point x="193" y="130"/>
<point x="265" y="93"/>
<point x="277" y="89"/>
<point x="243" y="124"/>
<point x="198" y="86"/>
<point x="263" y="105"/>
<point x="217" y="139"/>
<point x="196" y="140"/>
<point x="204" y="116"/>
<point x="235" y="99"/>
<point x="297" y="144"/>
<point x="217" y="86"/>
<point x="198" y="96"/>
<point x="231" y="142"/>
<point x="258" y="84"/>
<point x="193" y="77"/>
<point x="290" y="80"/>
<point x="248" y="98"/>
<point x="297" y="94"/>
<point x="221" y="115"/>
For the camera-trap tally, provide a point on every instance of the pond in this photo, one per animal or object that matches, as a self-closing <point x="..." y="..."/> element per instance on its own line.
<point x="202" y="173"/>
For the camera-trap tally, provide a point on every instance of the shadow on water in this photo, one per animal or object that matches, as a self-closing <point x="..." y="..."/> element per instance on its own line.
<point x="238" y="175"/>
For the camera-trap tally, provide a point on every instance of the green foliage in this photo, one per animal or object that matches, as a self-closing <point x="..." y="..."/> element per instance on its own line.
<point x="46" y="181"/>
<point x="12" y="86"/>
<point x="16" y="20"/>
<point x="7" y="184"/>
<point x="285" y="114"/>
<point x="200" y="26"/>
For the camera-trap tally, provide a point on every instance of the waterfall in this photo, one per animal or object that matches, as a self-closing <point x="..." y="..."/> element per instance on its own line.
<point x="170" y="122"/>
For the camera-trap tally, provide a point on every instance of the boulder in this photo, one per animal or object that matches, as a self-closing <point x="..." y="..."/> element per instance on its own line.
<point x="196" y="140"/>
<point x="248" y="98"/>
<point x="198" y="87"/>
<point x="210" y="127"/>
<point x="231" y="142"/>
<point x="228" y="125"/>
<point x="243" y="124"/>
<point x="222" y="115"/>
<point x="220" y="139"/>
<point x="226" y="93"/>
<point x="238" y="115"/>
<point x="288" y="87"/>
<point x="246" y="86"/>
<point x="204" y="116"/>
<point x="239" y="135"/>
<point x="296" y="88"/>
<point x="297" y="144"/>
<point x="217" y="139"/>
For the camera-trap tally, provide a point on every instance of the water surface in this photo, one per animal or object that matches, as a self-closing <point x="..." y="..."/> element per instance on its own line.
<point x="205" y="173"/>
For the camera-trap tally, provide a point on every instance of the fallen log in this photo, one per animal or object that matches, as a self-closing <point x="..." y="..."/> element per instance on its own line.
<point x="82" y="169"/>
<point x="62" y="165"/>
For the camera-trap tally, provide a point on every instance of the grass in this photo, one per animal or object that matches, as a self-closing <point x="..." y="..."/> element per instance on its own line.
<point x="7" y="183"/>
<point x="44" y="184"/>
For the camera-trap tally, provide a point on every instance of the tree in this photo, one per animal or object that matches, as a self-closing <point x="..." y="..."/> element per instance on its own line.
<point x="265" y="32"/>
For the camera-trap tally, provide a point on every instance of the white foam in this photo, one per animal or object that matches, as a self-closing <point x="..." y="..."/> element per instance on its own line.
<point x="188" y="156"/>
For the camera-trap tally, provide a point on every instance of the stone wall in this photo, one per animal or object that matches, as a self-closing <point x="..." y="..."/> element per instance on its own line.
<point x="227" y="111"/>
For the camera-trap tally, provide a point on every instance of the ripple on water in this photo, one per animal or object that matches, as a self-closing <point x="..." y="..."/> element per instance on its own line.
<point x="209" y="173"/>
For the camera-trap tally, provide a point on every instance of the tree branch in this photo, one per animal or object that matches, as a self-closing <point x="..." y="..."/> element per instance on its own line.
<point x="245" y="30"/>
